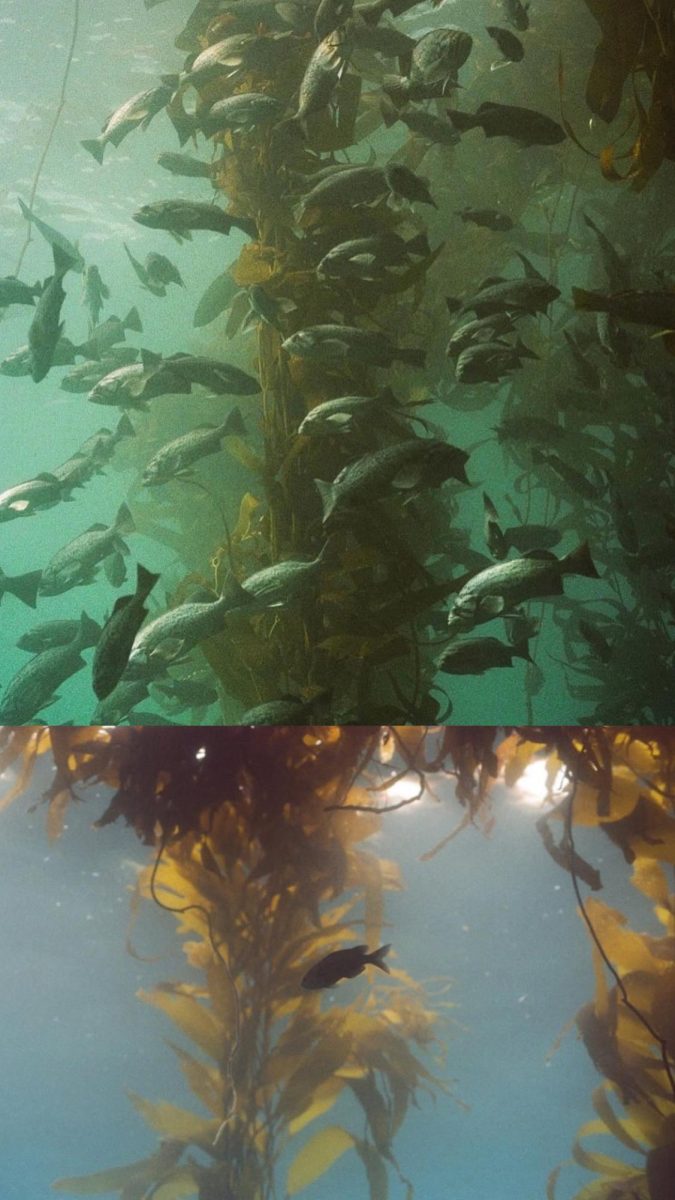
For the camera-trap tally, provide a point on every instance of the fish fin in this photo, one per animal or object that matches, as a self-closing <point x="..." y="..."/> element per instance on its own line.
<point x="24" y="587"/>
<point x="150" y="359"/>
<point x="537" y="553"/>
<point x="462" y="120"/>
<point x="124" y="522"/>
<point x="145" y="581"/>
<point x="234" y="424"/>
<point x="89" y="632"/>
<point x="397" y="89"/>
<point x="233" y="590"/>
<point x="96" y="527"/>
<point x="494" y="605"/>
<point x="489" y="507"/>
<point x="389" y="113"/>
<point x="531" y="271"/>
<point x="114" y="568"/>
<point x="328" y="493"/>
<point x="408" y="477"/>
<point x="133" y="320"/>
<point x="377" y="958"/>
<point x="125" y="427"/>
<point x="95" y="146"/>
<point x="579" y="562"/>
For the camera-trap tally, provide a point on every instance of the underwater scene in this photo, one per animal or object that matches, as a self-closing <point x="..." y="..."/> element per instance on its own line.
<point x="380" y="962"/>
<point x="336" y="361"/>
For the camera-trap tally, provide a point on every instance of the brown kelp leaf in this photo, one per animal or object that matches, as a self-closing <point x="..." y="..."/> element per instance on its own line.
<point x="316" y="1156"/>
<point x="376" y="1171"/>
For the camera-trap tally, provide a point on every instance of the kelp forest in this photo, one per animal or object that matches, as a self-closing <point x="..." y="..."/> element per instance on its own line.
<point x="444" y="312"/>
<point x="257" y="847"/>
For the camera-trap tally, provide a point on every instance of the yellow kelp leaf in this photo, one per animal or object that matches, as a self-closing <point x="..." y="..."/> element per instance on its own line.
<point x="174" y="1122"/>
<point x="624" y="948"/>
<point x="254" y="265"/>
<point x="624" y="1129"/>
<point x="204" y="1080"/>
<point x="243" y="529"/>
<point x="601" y="1163"/>
<point x="180" y="1182"/>
<point x="650" y="879"/>
<point x="324" y="1098"/>
<point x="624" y="795"/>
<point x="312" y="1071"/>
<point x="516" y="756"/>
<point x="191" y="1017"/>
<point x="115" y="1180"/>
<point x="316" y="1156"/>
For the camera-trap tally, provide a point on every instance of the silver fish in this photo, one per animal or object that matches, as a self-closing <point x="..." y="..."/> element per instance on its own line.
<point x="488" y="362"/>
<point x="94" y="292"/>
<point x="33" y="687"/>
<point x="138" y="111"/>
<point x="45" y="328"/>
<point x="23" y="499"/>
<point x="176" y="457"/>
<point x="76" y="562"/>
<point x="50" y="634"/>
<point x="475" y="656"/>
<point x="347" y="343"/>
<point x="370" y="257"/>
<point x="241" y="113"/>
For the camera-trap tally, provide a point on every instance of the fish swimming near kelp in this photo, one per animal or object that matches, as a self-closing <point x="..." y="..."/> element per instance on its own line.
<point x="174" y="460"/>
<point x="76" y="563"/>
<point x="46" y="327"/>
<point x="348" y="343"/>
<point x="136" y="112"/>
<point x="34" y="686"/>
<point x="343" y="964"/>
<point x="117" y="636"/>
<point x="523" y="125"/>
<point x="181" y="217"/>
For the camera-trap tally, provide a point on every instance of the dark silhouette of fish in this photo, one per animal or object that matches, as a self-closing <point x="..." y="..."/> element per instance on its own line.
<point x="343" y="964"/>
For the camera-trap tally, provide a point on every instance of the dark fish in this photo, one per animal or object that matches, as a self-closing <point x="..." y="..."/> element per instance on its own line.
<point x="104" y="336"/>
<point x="173" y="633"/>
<point x="407" y="467"/>
<point x="595" y="639"/>
<point x="241" y="113"/>
<point x="33" y="687"/>
<point x="219" y="377"/>
<point x="530" y="429"/>
<point x="639" y="307"/>
<point x="351" y="186"/>
<point x="501" y="588"/>
<point x="57" y="633"/>
<point x="13" y="291"/>
<point x="186" y="693"/>
<point x="329" y="15"/>
<point x="511" y="47"/>
<point x="489" y="218"/>
<point x="281" y="584"/>
<point x="343" y="964"/>
<point x="116" y="706"/>
<point x="24" y="587"/>
<point x="323" y="73"/>
<point x="484" y="329"/>
<point x="405" y="183"/>
<point x="157" y="289"/>
<point x="45" y="329"/>
<point x="135" y="112"/>
<point x="94" y="292"/>
<point x="54" y="237"/>
<point x="370" y="257"/>
<point x="436" y="59"/>
<point x="524" y="125"/>
<point x="422" y="124"/>
<point x="131" y="386"/>
<point x="348" y="343"/>
<point x="495" y="540"/>
<point x="488" y="362"/>
<point x="517" y="14"/>
<point x="76" y="563"/>
<point x="475" y="656"/>
<point x="225" y="59"/>
<point x="174" y="459"/>
<point x="117" y="637"/>
<point x="180" y="217"/>
<point x="512" y="295"/>
<point x="85" y="375"/>
<point x="344" y="414"/>
<point x="161" y="271"/>
<point x="23" y="499"/>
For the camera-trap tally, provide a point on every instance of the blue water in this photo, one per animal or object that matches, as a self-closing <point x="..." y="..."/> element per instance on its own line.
<point x="494" y="915"/>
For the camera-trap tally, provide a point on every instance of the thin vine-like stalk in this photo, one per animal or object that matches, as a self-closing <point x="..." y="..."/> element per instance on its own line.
<point x="52" y="131"/>
<point x="569" y="838"/>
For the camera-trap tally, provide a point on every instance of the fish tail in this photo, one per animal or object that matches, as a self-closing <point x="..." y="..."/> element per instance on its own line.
<point x="377" y="958"/>
<point x="462" y="120"/>
<point x="133" y="320"/>
<point x="234" y="424"/>
<point x="593" y="301"/>
<point x="579" y="562"/>
<point x="490" y="508"/>
<point x="95" y="146"/>
<point x="328" y="496"/>
<point x="145" y="581"/>
<point x="414" y="358"/>
<point x="124" y="427"/>
<point x="89" y="631"/>
<point x="62" y="262"/>
<point x="124" y="522"/>
<point x="521" y="649"/>
<point x="24" y="587"/>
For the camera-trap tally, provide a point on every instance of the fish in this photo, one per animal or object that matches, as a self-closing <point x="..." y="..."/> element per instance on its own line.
<point x="322" y="74"/>
<point x="574" y="478"/>
<point x="13" y="291"/>
<point x="495" y="540"/>
<point x="422" y="124"/>
<point x="45" y="328"/>
<point x="85" y="375"/>
<point x="76" y="470"/>
<point x="290" y="710"/>
<point x="172" y="633"/>
<point x="636" y="307"/>
<point x="184" y="164"/>
<point x="436" y="58"/>
<point x="34" y="686"/>
<point x="511" y="46"/>
<point x="94" y="292"/>
<point x="348" y="343"/>
<point x="157" y="289"/>
<point x="54" y="237"/>
<point x="137" y="112"/>
<point x="76" y="563"/>
<point x="405" y="183"/>
<point x="175" y="458"/>
<point x="132" y="385"/>
<point x="343" y="964"/>
<point x="19" y="362"/>
<point x="186" y="693"/>
<point x="50" y="634"/>
<point x="212" y="373"/>
<point x="161" y="271"/>
<point x="512" y="295"/>
<point x="281" y="584"/>
<point x="501" y="588"/>
<point x="124" y="697"/>
<point x="523" y="125"/>
<point x="23" y="499"/>
<point x="225" y="59"/>
<point x="104" y="336"/>
<point x="349" y="186"/>
<point x="370" y="257"/>
<point x="517" y="14"/>
<point x="345" y="414"/>
<point x="269" y="309"/>
<point x="488" y="362"/>
<point x="181" y="217"/>
<point x="409" y="466"/>
<point x="329" y="15"/>
<point x="117" y="636"/>
<point x="475" y="656"/>
<point x="24" y="587"/>
<point x="489" y="218"/>
<point x="382" y="39"/>
<point x="484" y="329"/>
<point x="241" y="113"/>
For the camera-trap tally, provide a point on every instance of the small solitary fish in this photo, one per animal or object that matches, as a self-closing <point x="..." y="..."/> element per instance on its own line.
<point x="343" y="964"/>
<point x="511" y="46"/>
